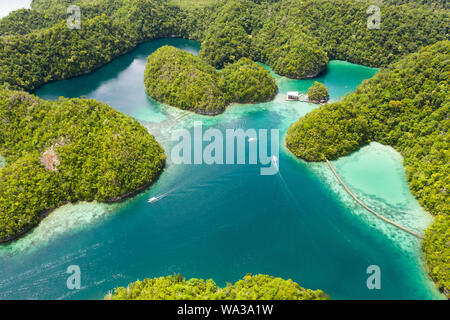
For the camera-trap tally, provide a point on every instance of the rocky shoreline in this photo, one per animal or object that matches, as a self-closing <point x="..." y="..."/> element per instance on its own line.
<point x="304" y="98"/>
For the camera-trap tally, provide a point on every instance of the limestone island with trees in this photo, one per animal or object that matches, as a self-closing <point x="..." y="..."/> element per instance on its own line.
<point x="188" y="82"/>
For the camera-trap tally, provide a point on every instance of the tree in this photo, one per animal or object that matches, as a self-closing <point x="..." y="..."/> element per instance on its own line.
<point x="318" y="92"/>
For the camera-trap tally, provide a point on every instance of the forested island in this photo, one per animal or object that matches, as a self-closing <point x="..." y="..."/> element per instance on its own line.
<point x="67" y="151"/>
<point x="257" y="287"/>
<point x="318" y="93"/>
<point x="406" y="106"/>
<point x="291" y="36"/>
<point x="49" y="163"/>
<point x="183" y="80"/>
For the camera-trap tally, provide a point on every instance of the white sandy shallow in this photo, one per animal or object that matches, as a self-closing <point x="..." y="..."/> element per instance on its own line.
<point x="375" y="174"/>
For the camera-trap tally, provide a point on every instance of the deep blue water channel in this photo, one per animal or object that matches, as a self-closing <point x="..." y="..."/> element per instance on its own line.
<point x="224" y="221"/>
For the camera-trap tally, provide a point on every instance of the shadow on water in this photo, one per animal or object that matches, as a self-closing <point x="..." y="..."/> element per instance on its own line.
<point x="86" y="84"/>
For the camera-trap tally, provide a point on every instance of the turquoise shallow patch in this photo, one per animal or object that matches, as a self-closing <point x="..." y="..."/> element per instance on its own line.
<point x="223" y="221"/>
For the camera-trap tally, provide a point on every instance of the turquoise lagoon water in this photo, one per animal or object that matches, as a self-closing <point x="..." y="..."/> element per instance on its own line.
<point x="223" y="221"/>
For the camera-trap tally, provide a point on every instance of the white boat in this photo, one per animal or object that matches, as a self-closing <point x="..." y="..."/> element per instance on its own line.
<point x="152" y="199"/>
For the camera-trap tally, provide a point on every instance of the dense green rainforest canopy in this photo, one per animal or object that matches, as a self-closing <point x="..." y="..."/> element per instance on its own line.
<point x="296" y="38"/>
<point x="318" y="92"/>
<point x="404" y="106"/>
<point x="258" y="287"/>
<point x="183" y="80"/>
<point x="67" y="151"/>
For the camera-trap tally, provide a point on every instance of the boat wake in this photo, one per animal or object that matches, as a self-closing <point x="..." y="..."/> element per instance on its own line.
<point x="157" y="198"/>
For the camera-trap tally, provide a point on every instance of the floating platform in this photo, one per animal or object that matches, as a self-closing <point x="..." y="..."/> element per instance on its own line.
<point x="295" y="96"/>
<point x="292" y="96"/>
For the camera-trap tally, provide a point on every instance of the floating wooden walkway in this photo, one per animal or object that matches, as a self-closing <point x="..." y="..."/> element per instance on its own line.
<point x="367" y="208"/>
